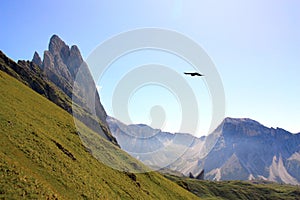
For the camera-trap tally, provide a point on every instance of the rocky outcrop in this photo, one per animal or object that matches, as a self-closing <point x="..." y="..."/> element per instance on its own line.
<point x="200" y="176"/>
<point x="191" y="175"/>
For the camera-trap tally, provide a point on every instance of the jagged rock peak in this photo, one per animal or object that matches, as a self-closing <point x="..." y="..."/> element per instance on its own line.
<point x="48" y="62"/>
<point x="37" y="59"/>
<point x="75" y="51"/>
<point x="56" y="45"/>
<point x="75" y="54"/>
<point x="74" y="60"/>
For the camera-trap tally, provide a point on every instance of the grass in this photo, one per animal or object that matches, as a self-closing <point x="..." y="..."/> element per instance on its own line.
<point x="237" y="189"/>
<point x="42" y="155"/>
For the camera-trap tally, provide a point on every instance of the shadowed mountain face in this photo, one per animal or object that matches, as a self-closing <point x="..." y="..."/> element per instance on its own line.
<point x="63" y="76"/>
<point x="244" y="150"/>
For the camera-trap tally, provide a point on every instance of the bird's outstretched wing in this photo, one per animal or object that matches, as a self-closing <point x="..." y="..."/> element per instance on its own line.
<point x="193" y="73"/>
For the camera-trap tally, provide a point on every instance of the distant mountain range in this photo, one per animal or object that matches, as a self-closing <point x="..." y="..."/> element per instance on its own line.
<point x="156" y="148"/>
<point x="241" y="149"/>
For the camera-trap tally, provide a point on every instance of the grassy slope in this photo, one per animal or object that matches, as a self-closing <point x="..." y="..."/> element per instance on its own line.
<point x="41" y="155"/>
<point x="237" y="189"/>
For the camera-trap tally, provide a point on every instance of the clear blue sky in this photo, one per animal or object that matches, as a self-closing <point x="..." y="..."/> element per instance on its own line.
<point x="255" y="44"/>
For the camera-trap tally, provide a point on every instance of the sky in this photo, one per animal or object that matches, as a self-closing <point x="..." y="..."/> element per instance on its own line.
<point x="254" y="44"/>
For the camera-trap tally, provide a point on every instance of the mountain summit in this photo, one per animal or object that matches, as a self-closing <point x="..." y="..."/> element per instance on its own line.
<point x="61" y="60"/>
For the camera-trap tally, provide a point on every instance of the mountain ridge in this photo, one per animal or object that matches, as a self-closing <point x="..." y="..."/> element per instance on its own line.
<point x="243" y="150"/>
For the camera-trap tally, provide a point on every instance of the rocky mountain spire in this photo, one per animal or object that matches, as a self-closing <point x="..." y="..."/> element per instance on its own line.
<point x="61" y="60"/>
<point x="56" y="45"/>
<point x="65" y="67"/>
<point x="37" y="59"/>
<point x="74" y="60"/>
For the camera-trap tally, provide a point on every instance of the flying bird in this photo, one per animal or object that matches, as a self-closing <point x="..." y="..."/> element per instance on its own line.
<point x="193" y="73"/>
